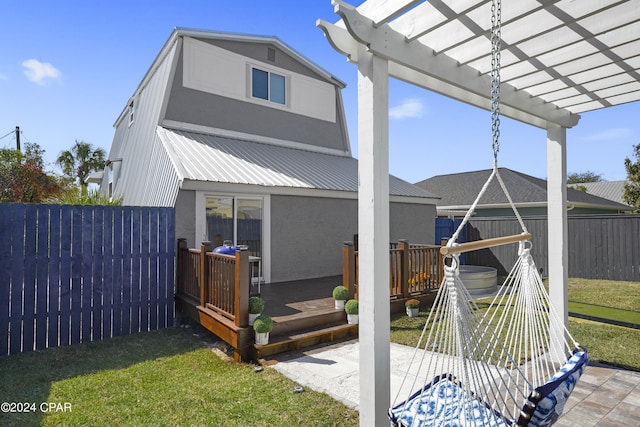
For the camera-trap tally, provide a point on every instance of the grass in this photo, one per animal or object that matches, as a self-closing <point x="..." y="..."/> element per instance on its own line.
<point x="621" y="295"/>
<point x="160" y="378"/>
<point x="605" y="313"/>
<point x="606" y="343"/>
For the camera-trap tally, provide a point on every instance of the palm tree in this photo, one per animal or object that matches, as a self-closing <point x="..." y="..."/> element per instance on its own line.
<point x="80" y="161"/>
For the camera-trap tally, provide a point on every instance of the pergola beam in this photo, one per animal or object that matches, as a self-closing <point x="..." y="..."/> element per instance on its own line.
<point x="439" y="73"/>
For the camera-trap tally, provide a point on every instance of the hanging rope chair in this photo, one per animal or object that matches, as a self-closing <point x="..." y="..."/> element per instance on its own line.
<point x="513" y="364"/>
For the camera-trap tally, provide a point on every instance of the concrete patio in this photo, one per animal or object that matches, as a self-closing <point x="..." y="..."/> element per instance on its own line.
<point x="605" y="396"/>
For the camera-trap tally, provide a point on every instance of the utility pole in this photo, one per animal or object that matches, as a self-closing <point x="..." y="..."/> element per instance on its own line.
<point x="18" y="138"/>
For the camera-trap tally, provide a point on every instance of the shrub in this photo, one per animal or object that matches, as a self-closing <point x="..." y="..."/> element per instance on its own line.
<point x="412" y="303"/>
<point x="351" y="307"/>
<point x="263" y="324"/>
<point x="256" y="305"/>
<point x="340" y="293"/>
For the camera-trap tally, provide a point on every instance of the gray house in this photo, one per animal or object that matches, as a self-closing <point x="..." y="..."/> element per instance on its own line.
<point x="529" y="194"/>
<point x="247" y="139"/>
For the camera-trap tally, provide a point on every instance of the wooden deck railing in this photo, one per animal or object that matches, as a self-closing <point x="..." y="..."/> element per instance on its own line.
<point x="188" y="270"/>
<point x="413" y="269"/>
<point x="219" y="282"/>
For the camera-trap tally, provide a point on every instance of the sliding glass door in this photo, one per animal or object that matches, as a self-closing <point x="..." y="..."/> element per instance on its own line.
<point x="236" y="219"/>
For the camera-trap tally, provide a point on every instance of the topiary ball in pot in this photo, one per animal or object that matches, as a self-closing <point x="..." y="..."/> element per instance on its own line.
<point x="340" y="295"/>
<point x="351" y="307"/>
<point x="256" y="305"/>
<point x="263" y="324"/>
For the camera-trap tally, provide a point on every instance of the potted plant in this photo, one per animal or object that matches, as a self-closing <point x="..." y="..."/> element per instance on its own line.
<point x="262" y="326"/>
<point x="340" y="295"/>
<point x="351" y="307"/>
<point x="256" y="305"/>
<point x="413" y="307"/>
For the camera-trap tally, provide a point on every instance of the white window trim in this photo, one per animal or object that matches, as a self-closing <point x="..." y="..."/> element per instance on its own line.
<point x="201" y="226"/>
<point x="131" y="111"/>
<point x="270" y="70"/>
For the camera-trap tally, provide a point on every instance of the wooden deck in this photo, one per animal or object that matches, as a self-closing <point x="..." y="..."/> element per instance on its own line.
<point x="213" y="290"/>
<point x="304" y="315"/>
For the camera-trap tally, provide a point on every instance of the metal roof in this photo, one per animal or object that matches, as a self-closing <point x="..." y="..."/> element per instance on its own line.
<point x="559" y="58"/>
<point x="612" y="190"/>
<point x="212" y="158"/>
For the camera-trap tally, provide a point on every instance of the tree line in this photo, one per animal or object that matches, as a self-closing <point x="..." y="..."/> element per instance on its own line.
<point x="23" y="177"/>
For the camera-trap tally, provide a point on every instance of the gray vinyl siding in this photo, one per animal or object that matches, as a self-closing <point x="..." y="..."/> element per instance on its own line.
<point x="307" y="233"/>
<point x="413" y="222"/>
<point x="258" y="51"/>
<point x="186" y="217"/>
<point x="206" y="109"/>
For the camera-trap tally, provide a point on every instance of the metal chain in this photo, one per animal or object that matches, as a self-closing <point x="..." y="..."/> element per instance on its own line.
<point x="496" y="18"/>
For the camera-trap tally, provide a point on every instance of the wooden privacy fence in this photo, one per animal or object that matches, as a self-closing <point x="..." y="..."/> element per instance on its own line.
<point x="414" y="269"/>
<point x="603" y="247"/>
<point x="72" y="274"/>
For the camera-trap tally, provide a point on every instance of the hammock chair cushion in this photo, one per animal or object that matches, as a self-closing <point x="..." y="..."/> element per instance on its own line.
<point x="548" y="400"/>
<point x="444" y="402"/>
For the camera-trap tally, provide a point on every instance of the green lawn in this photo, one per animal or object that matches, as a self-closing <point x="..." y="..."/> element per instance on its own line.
<point x="622" y="295"/>
<point x="598" y="312"/>
<point x="606" y="343"/>
<point x="161" y="378"/>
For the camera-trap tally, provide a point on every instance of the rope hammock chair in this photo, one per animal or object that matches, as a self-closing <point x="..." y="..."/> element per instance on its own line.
<point x="514" y="364"/>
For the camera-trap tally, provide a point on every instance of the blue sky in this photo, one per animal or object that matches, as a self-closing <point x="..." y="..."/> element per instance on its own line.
<point x="68" y="67"/>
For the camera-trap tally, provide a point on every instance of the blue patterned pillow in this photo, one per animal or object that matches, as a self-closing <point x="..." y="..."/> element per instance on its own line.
<point x="547" y="402"/>
<point x="444" y="402"/>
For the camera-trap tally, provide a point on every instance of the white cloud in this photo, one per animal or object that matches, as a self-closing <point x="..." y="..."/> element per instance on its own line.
<point x="410" y="108"/>
<point x="609" y="134"/>
<point x="38" y="72"/>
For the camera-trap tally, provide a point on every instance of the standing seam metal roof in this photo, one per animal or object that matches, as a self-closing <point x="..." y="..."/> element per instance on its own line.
<point x="215" y="158"/>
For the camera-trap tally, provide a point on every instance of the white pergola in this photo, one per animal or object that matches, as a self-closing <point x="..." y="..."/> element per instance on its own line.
<point x="558" y="59"/>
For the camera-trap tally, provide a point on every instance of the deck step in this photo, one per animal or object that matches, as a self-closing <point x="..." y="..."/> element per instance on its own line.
<point x="281" y="343"/>
<point x="284" y="325"/>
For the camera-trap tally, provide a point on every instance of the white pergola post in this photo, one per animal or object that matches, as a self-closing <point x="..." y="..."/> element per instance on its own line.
<point x="373" y="237"/>
<point x="557" y="223"/>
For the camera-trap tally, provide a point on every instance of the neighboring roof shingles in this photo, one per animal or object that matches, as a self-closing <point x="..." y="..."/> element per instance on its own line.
<point x="214" y="158"/>
<point x="461" y="189"/>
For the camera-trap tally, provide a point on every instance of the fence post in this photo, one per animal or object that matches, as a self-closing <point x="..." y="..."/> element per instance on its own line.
<point x="241" y="291"/>
<point x="403" y="246"/>
<point x="182" y="245"/>
<point x="349" y="268"/>
<point x="204" y="271"/>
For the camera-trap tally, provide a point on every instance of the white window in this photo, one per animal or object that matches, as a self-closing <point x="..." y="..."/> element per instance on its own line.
<point x="268" y="86"/>
<point x="131" y="111"/>
<point x="110" y="179"/>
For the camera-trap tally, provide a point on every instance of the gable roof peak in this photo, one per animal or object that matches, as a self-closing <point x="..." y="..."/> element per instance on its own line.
<point x="254" y="38"/>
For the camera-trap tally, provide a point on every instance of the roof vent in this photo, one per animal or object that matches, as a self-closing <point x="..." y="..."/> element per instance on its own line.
<point x="271" y="54"/>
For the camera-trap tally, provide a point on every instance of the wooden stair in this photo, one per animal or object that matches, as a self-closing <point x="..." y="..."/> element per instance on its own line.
<point x="305" y="329"/>
<point x="284" y="342"/>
